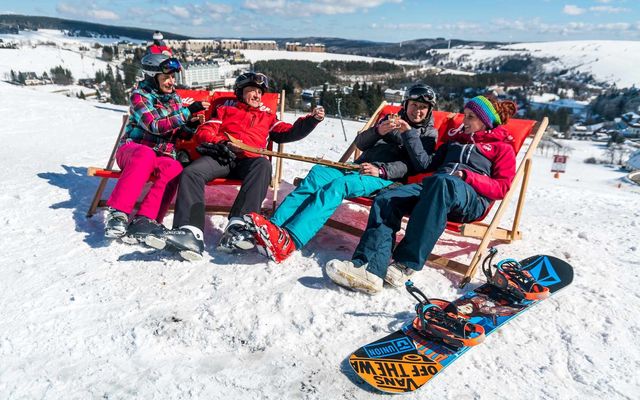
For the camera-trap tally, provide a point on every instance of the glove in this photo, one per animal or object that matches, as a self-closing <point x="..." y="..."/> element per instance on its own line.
<point x="186" y="133"/>
<point x="193" y="124"/>
<point x="218" y="151"/>
<point x="196" y="107"/>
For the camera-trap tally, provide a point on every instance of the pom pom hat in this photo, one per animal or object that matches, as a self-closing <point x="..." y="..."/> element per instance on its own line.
<point x="482" y="107"/>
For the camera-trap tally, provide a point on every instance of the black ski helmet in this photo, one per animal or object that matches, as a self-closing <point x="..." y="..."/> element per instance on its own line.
<point x="154" y="64"/>
<point x="255" y="79"/>
<point x="422" y="93"/>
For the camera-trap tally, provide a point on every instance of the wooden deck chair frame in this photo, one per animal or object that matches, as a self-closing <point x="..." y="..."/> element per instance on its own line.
<point x="479" y="230"/>
<point x="108" y="173"/>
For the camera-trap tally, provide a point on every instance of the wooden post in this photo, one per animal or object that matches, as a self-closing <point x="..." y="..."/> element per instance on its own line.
<point x="523" y="191"/>
<point x="103" y="181"/>
<point x="277" y="176"/>
<point x="352" y="147"/>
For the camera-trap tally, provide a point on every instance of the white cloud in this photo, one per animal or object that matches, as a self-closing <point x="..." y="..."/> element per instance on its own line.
<point x="178" y="11"/>
<point x="609" y="9"/>
<point x="103" y="14"/>
<point x="317" y="7"/>
<point x="573" y="10"/>
<point x="402" y="26"/>
<point x="84" y="11"/>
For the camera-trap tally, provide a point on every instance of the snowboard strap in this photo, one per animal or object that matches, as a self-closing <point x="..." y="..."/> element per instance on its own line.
<point x="511" y="278"/>
<point x="444" y="324"/>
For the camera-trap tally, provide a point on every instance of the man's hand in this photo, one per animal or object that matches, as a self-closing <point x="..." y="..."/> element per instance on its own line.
<point x="318" y="113"/>
<point x="393" y="124"/>
<point x="218" y="151"/>
<point x="369" y="169"/>
<point x="402" y="125"/>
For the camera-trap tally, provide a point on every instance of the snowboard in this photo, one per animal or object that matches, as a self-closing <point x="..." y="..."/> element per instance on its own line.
<point x="405" y="360"/>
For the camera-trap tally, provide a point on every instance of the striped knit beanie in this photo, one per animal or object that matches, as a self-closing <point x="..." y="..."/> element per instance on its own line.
<point x="482" y="107"/>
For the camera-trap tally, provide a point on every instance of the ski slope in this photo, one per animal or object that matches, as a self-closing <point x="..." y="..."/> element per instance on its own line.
<point x="84" y="317"/>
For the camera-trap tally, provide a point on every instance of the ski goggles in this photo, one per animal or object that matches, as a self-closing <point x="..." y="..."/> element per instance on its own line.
<point x="423" y="95"/>
<point x="258" y="79"/>
<point x="170" y="66"/>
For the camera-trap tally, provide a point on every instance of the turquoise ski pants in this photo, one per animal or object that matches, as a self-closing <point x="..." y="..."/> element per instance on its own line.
<point x="305" y="210"/>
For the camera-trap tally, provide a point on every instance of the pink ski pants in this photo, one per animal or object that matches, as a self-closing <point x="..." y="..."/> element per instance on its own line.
<point x="139" y="163"/>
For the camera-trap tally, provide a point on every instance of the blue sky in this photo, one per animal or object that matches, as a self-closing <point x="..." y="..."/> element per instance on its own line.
<point x="378" y="20"/>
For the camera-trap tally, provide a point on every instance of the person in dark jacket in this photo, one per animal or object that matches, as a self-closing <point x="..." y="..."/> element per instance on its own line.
<point x="396" y="146"/>
<point x="251" y="122"/>
<point x="473" y="168"/>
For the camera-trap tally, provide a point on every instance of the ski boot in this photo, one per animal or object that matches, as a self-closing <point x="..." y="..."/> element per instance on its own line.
<point x="115" y="224"/>
<point x="140" y="228"/>
<point x="440" y="319"/>
<point x="512" y="279"/>
<point x="237" y="236"/>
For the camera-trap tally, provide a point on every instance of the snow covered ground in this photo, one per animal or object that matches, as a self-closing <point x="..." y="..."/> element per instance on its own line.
<point x="84" y="317"/>
<point x="48" y="48"/>
<point x="260" y="55"/>
<point x="607" y="60"/>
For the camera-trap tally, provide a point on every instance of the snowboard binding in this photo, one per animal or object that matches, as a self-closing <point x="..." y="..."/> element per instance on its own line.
<point x="512" y="279"/>
<point x="440" y="319"/>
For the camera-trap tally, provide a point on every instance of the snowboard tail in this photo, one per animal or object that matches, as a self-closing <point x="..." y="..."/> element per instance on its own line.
<point x="406" y="359"/>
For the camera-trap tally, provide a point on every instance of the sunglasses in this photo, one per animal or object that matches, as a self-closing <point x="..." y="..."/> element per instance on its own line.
<point x="170" y="66"/>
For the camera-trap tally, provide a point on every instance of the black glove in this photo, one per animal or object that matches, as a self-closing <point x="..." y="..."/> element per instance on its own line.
<point x="185" y="133"/>
<point x="218" y="151"/>
<point x="195" y="107"/>
<point x="193" y="124"/>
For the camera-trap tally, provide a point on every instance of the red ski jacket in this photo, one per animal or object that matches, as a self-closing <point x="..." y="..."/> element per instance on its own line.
<point x="487" y="158"/>
<point x="253" y="125"/>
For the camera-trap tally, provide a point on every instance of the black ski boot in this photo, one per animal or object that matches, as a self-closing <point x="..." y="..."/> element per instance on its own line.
<point x="237" y="236"/>
<point x="188" y="241"/>
<point x="140" y="228"/>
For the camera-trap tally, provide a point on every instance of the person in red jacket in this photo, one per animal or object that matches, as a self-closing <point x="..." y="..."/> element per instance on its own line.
<point x="158" y="46"/>
<point x="254" y="124"/>
<point x="474" y="167"/>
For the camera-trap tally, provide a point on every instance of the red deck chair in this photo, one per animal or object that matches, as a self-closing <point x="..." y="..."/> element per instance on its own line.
<point x="444" y="121"/>
<point x="270" y="100"/>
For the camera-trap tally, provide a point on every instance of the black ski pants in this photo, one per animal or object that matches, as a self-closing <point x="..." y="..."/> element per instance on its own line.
<point x="255" y="174"/>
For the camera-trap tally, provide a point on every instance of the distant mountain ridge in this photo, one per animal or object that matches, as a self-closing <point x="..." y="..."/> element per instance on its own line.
<point x="406" y="50"/>
<point x="8" y="22"/>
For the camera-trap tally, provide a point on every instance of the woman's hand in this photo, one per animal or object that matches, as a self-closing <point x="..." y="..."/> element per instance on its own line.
<point x="369" y="169"/>
<point x="460" y="174"/>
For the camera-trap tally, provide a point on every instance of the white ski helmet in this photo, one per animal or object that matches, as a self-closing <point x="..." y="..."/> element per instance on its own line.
<point x="157" y="35"/>
<point x="154" y="64"/>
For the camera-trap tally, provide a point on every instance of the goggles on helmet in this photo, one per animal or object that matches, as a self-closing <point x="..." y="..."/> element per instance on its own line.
<point x="423" y="94"/>
<point x="170" y="66"/>
<point x="258" y="79"/>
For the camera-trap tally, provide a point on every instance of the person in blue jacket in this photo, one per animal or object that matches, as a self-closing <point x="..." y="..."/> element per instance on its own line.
<point x="399" y="145"/>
